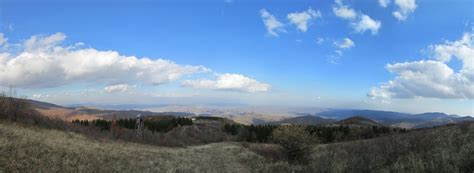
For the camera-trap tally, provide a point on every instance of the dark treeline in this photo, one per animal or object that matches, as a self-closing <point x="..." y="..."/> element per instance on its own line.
<point x="208" y="118"/>
<point x="20" y="110"/>
<point x="324" y="134"/>
<point x="251" y="133"/>
<point x="329" y="134"/>
<point x="101" y="124"/>
<point x="165" y="125"/>
<point x="11" y="108"/>
<point x="154" y="125"/>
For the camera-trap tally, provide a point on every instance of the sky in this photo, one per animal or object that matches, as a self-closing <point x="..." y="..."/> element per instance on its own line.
<point x="399" y="55"/>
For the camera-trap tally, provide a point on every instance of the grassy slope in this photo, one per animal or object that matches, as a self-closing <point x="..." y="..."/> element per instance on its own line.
<point x="440" y="149"/>
<point x="43" y="150"/>
<point x="26" y="148"/>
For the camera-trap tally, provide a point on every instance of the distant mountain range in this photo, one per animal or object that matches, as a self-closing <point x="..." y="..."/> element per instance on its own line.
<point x="315" y="120"/>
<point x="90" y="113"/>
<point x="265" y="115"/>
<point x="305" y="120"/>
<point x="388" y="118"/>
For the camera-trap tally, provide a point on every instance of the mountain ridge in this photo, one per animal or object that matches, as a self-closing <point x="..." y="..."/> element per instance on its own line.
<point x="260" y="115"/>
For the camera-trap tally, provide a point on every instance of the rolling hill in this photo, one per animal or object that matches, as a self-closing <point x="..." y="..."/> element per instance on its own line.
<point x="24" y="148"/>
<point x="305" y="120"/>
<point x="358" y="121"/>
<point x="46" y="150"/>
<point x="257" y="115"/>
<point x="91" y="113"/>
<point x="397" y="119"/>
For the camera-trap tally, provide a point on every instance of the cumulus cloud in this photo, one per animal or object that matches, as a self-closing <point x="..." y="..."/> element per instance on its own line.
<point x="344" y="12"/>
<point x="346" y="43"/>
<point x="360" y="22"/>
<point x="119" y="88"/>
<point x="433" y="78"/>
<point x="301" y="19"/>
<point x="43" y="62"/>
<point x="366" y="23"/>
<point x="405" y="7"/>
<point x="272" y="25"/>
<point x="384" y="3"/>
<point x="235" y="82"/>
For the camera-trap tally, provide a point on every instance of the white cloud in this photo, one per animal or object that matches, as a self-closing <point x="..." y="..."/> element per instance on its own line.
<point x="119" y="88"/>
<point x="344" y="12"/>
<point x="342" y="45"/>
<point x="37" y="96"/>
<point x="272" y="25"/>
<point x="301" y="19"/>
<point x="359" y="22"/>
<point x="433" y="78"/>
<point x="40" y="43"/>
<point x="461" y="49"/>
<point x="3" y="40"/>
<point x="405" y="7"/>
<point x="44" y="63"/>
<point x="384" y="3"/>
<point x="366" y="23"/>
<point x="228" y="81"/>
<point x="346" y="43"/>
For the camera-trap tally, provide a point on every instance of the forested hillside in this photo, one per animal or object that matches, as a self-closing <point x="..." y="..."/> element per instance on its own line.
<point x="31" y="141"/>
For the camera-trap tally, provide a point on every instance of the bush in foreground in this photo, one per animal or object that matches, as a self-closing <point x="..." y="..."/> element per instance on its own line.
<point x="440" y="149"/>
<point x="296" y="141"/>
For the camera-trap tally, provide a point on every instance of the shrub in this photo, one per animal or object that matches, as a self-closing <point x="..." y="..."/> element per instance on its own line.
<point x="296" y="141"/>
<point x="251" y="133"/>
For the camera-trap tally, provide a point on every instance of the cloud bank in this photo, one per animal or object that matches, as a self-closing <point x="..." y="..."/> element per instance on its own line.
<point x="119" y="88"/>
<point x="228" y="81"/>
<point x="433" y="78"/>
<point x="42" y="62"/>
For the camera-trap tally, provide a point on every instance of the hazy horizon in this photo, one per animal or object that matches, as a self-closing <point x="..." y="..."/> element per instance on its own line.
<point x="404" y="56"/>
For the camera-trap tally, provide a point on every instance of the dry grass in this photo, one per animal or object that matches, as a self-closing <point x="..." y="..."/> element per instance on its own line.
<point x="440" y="149"/>
<point x="272" y="152"/>
<point x="66" y="114"/>
<point x="25" y="147"/>
<point x="29" y="148"/>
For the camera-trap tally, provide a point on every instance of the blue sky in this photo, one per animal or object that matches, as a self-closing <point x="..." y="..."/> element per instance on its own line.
<point x="292" y="67"/>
